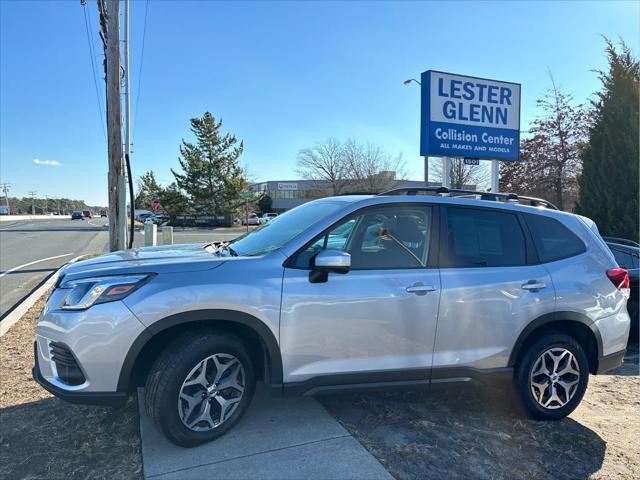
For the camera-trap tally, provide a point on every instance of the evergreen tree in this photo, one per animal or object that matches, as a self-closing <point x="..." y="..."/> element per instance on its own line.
<point x="609" y="181"/>
<point x="148" y="190"/>
<point x="265" y="203"/>
<point x="211" y="176"/>
<point x="173" y="201"/>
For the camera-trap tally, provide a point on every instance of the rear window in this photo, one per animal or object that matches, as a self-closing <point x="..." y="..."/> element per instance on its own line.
<point x="552" y="239"/>
<point x="483" y="238"/>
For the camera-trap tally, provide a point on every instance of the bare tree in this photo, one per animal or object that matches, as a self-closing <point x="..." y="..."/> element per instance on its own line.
<point x="324" y="163"/>
<point x="349" y="167"/>
<point x="461" y="175"/>
<point x="371" y="169"/>
<point x="550" y="159"/>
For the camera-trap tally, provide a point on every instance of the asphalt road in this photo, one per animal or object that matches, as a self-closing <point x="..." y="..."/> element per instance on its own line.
<point x="31" y="250"/>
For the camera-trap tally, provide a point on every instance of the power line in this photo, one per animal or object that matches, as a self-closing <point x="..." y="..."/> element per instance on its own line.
<point x="93" y="69"/>
<point x="144" y="36"/>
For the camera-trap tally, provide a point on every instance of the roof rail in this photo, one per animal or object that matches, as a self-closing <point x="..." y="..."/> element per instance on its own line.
<point x="455" y="192"/>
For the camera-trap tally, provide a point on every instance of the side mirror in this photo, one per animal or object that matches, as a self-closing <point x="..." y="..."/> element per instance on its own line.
<point x="329" y="260"/>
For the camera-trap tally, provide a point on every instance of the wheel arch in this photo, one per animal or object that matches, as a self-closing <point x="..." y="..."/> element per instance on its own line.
<point x="149" y="343"/>
<point x="579" y="326"/>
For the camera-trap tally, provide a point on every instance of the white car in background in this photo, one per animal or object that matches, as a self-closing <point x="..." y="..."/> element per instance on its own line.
<point x="251" y="219"/>
<point x="267" y="216"/>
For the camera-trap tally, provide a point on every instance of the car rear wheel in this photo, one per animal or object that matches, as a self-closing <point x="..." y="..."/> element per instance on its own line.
<point x="552" y="377"/>
<point x="199" y="387"/>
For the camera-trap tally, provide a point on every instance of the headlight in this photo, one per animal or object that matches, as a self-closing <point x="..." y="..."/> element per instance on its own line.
<point x="90" y="291"/>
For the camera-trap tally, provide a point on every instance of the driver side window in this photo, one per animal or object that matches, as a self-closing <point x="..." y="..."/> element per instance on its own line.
<point x="378" y="238"/>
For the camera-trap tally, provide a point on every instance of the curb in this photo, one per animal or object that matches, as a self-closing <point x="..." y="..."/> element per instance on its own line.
<point x="23" y="307"/>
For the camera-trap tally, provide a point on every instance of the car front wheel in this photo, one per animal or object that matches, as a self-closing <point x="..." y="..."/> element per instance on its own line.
<point x="552" y="377"/>
<point x="199" y="387"/>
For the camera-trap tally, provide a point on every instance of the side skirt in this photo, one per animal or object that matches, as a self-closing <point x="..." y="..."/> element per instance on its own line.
<point x="394" y="380"/>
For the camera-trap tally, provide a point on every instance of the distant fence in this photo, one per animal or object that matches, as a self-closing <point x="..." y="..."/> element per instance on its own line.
<point x="200" y="221"/>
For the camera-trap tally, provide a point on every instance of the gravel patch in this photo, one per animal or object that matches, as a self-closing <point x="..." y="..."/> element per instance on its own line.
<point x="44" y="437"/>
<point x="471" y="431"/>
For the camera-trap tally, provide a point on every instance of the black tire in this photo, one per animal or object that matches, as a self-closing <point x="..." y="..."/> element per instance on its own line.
<point x="524" y="370"/>
<point x="170" y="370"/>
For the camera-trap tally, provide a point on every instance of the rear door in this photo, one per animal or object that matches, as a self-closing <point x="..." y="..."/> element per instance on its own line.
<point x="492" y="287"/>
<point x="375" y="323"/>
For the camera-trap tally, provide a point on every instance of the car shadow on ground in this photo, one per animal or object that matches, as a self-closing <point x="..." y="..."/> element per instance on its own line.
<point x="50" y="438"/>
<point x="465" y="432"/>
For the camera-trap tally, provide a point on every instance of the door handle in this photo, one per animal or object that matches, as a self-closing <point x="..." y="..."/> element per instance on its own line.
<point x="533" y="285"/>
<point x="420" y="289"/>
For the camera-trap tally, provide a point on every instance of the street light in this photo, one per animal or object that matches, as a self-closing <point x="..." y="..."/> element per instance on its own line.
<point x="426" y="158"/>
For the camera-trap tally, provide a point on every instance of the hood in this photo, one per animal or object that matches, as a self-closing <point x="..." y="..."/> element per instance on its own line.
<point x="162" y="259"/>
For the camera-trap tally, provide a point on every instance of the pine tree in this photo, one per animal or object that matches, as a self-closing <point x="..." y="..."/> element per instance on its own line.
<point x="211" y="176"/>
<point x="148" y="190"/>
<point x="609" y="181"/>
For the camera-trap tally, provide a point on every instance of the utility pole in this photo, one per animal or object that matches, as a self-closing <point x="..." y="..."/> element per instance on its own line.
<point x="127" y="118"/>
<point x="5" y="189"/>
<point x="109" y="26"/>
<point x="32" y="194"/>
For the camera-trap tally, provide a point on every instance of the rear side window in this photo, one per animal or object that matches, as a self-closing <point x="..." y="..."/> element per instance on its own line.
<point x="483" y="238"/>
<point x="552" y="239"/>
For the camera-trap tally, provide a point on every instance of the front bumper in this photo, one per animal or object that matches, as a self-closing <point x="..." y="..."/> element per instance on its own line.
<point x="88" y="398"/>
<point x="84" y="351"/>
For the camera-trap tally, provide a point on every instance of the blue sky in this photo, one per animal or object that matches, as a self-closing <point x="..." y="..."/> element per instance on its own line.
<point x="282" y="75"/>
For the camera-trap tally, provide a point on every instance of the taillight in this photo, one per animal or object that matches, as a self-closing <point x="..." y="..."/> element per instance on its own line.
<point x="620" y="278"/>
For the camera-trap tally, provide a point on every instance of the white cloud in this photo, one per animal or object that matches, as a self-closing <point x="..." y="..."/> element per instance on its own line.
<point x="51" y="163"/>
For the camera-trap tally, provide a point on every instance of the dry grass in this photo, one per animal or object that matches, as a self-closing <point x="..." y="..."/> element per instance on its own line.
<point x="474" y="432"/>
<point x="44" y="437"/>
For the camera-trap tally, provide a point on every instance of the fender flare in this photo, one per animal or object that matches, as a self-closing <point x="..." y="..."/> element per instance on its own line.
<point x="550" y="318"/>
<point x="274" y="356"/>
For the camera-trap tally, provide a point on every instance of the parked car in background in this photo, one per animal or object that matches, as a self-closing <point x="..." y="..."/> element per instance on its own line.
<point x="4" y="210"/>
<point x="77" y="215"/>
<point x="267" y="216"/>
<point x="627" y="253"/>
<point x="397" y="289"/>
<point x="147" y="217"/>
<point x="103" y="212"/>
<point x="251" y="219"/>
<point x="87" y="214"/>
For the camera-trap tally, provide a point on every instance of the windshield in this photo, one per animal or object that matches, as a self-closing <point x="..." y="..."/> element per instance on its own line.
<point x="282" y="228"/>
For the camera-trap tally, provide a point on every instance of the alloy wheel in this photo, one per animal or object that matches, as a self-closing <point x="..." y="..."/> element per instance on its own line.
<point x="211" y="392"/>
<point x="554" y="378"/>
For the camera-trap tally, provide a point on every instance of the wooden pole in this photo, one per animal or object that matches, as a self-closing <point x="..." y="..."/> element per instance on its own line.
<point x="114" y="121"/>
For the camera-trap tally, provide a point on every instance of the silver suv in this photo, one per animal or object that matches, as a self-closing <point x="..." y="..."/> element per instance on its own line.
<point x="411" y="287"/>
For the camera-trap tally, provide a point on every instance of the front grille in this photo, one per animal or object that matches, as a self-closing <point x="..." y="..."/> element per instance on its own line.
<point x="66" y="365"/>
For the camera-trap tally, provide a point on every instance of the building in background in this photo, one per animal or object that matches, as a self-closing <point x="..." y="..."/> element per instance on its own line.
<point x="287" y="194"/>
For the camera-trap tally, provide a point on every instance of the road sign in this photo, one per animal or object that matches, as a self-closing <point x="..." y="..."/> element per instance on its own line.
<point x="469" y="117"/>
<point x="155" y="204"/>
<point x="248" y="194"/>
<point x="471" y="161"/>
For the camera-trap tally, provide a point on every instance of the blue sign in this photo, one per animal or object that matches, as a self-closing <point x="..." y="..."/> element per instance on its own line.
<point x="469" y="117"/>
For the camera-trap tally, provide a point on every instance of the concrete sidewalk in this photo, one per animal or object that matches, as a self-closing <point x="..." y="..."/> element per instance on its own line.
<point x="278" y="438"/>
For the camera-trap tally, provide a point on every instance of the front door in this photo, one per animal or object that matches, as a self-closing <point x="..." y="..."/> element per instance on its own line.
<point x="375" y="323"/>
